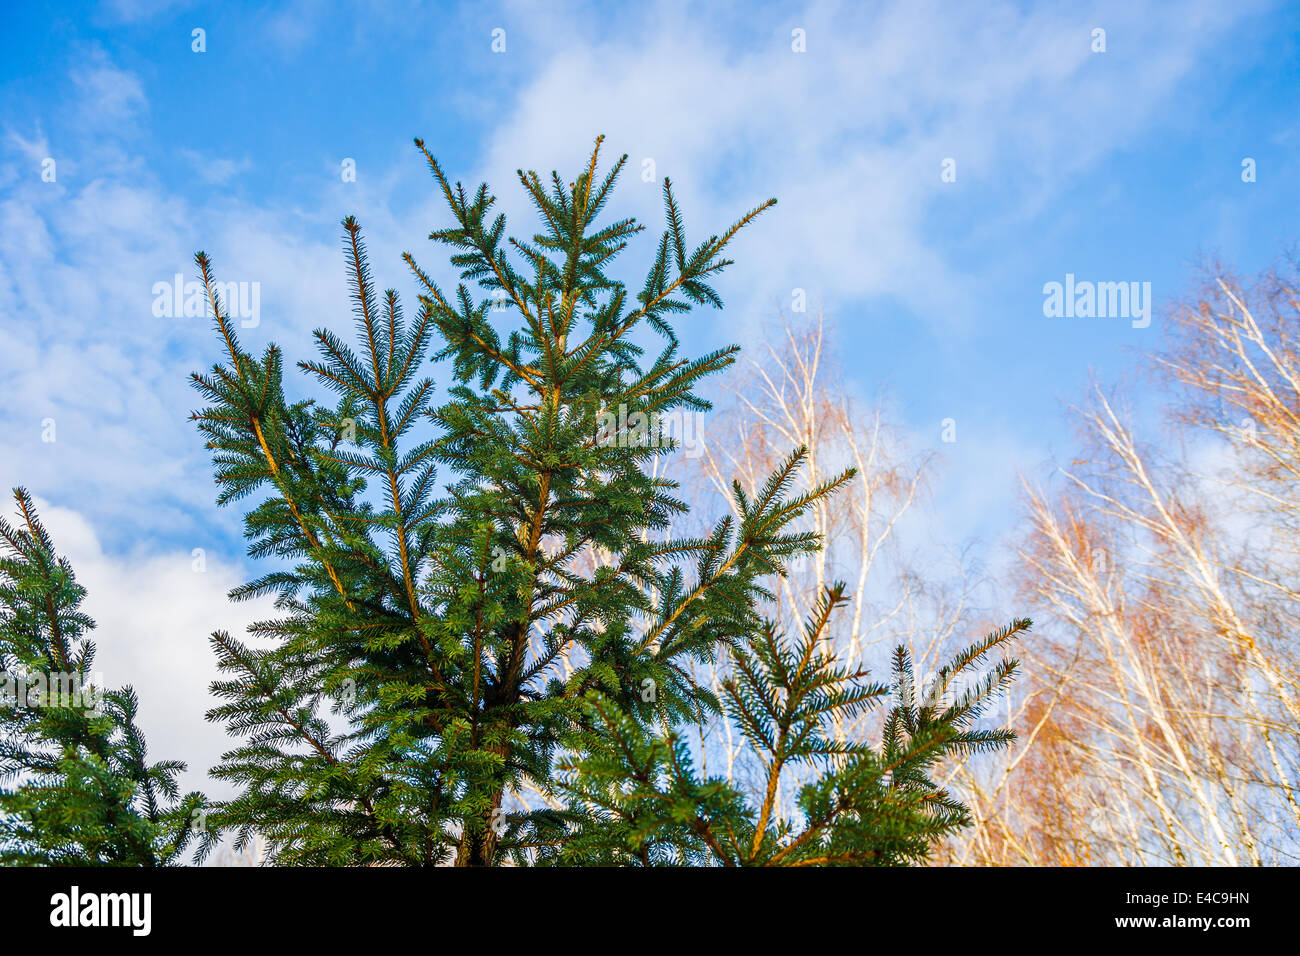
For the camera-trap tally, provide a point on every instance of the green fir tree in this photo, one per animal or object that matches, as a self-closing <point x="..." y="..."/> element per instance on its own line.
<point x="76" y="787"/>
<point x="492" y="662"/>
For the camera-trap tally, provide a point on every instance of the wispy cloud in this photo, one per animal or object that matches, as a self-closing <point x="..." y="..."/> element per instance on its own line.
<point x="851" y="134"/>
<point x="215" y="170"/>
<point x="107" y="98"/>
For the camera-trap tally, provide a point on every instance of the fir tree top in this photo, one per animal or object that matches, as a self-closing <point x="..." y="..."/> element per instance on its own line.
<point x="491" y="638"/>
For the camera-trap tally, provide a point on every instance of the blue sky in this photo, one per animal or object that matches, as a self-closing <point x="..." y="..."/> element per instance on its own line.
<point x="1123" y="165"/>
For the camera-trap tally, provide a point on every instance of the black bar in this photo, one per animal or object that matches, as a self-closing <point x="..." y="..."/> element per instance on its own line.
<point x="949" y="906"/>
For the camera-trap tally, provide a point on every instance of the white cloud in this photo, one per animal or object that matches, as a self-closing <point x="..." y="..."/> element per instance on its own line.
<point x="107" y="97"/>
<point x="849" y="135"/>
<point x="80" y="345"/>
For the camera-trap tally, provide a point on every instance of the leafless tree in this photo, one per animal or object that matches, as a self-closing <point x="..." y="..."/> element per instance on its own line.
<point x="1162" y="718"/>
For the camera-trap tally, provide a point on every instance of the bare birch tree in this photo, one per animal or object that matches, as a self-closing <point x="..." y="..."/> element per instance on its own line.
<point x="789" y="392"/>
<point x="1161" y="723"/>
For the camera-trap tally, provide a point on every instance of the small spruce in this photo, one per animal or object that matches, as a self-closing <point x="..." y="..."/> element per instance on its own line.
<point x="76" y="787"/>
